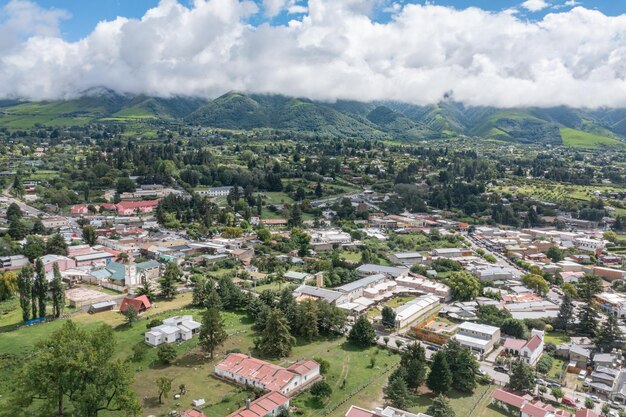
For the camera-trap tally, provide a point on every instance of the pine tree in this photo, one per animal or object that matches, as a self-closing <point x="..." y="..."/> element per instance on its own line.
<point x="58" y="291"/>
<point x="167" y="286"/>
<point x="440" y="378"/>
<point x="389" y="317"/>
<point x="396" y="391"/>
<point x="463" y="366"/>
<point x="522" y="376"/>
<point x="440" y="407"/>
<point x="588" y="319"/>
<point x="212" y="333"/>
<point x="309" y="320"/>
<point x="25" y="288"/>
<point x="362" y="333"/>
<point x="414" y="362"/>
<point x="41" y="287"/>
<point x="276" y="340"/>
<point x="608" y="334"/>
<point x="565" y="318"/>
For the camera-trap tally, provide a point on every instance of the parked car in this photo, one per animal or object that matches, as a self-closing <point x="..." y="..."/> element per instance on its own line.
<point x="568" y="401"/>
<point x="501" y="368"/>
<point x="593" y="398"/>
<point x="554" y="385"/>
<point x="615" y="404"/>
<point x="582" y="374"/>
<point x="481" y="372"/>
<point x="540" y="381"/>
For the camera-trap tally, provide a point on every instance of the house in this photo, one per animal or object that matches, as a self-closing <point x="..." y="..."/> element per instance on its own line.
<point x="529" y="351"/>
<point x="610" y="274"/>
<point x="609" y="382"/>
<point x="102" y="306"/>
<point x="63" y="262"/>
<point x="215" y="191"/>
<point x="308" y="292"/>
<point x="93" y="258"/>
<point x="608" y="360"/>
<point x="614" y="303"/>
<point x="297" y="276"/>
<point x="128" y="208"/>
<point x="355" y="411"/>
<point x="79" y="209"/>
<point x="406" y="258"/>
<point x="54" y="222"/>
<point x="447" y="252"/>
<point x="126" y="275"/>
<point x="173" y="329"/>
<point x="524" y="406"/>
<point x="140" y="303"/>
<point x="270" y="404"/>
<point x="322" y="240"/>
<point x="478" y="337"/>
<point x="355" y="289"/>
<point x="245" y="370"/>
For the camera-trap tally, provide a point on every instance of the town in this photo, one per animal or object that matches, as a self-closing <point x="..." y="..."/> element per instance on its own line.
<point x="242" y="278"/>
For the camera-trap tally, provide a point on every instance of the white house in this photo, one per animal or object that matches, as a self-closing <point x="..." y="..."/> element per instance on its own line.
<point x="529" y="351"/>
<point x="478" y="337"/>
<point x="174" y="329"/>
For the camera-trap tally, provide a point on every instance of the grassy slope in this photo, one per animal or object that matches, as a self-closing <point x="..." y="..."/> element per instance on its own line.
<point x="585" y="140"/>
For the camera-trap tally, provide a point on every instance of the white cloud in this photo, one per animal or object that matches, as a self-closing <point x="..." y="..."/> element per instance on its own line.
<point x="21" y="19"/>
<point x="535" y="5"/>
<point x="576" y="57"/>
<point x="571" y="3"/>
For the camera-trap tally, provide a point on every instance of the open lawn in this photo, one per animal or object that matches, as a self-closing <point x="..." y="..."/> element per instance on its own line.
<point x="578" y="139"/>
<point x="461" y="403"/>
<point x="556" y="338"/>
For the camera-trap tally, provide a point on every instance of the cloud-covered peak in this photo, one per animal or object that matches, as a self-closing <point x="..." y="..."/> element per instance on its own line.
<point x="333" y="51"/>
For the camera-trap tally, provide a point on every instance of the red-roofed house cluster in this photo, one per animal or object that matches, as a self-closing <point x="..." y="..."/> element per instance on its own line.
<point x="280" y="382"/>
<point x="525" y="406"/>
<point x="529" y="351"/>
<point x="124" y="208"/>
<point x="248" y="371"/>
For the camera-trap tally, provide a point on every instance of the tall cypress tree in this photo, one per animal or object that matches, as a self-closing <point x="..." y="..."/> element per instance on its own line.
<point x="41" y="287"/>
<point x="566" y="314"/>
<point x="58" y="292"/>
<point x="212" y="333"/>
<point x="25" y="288"/>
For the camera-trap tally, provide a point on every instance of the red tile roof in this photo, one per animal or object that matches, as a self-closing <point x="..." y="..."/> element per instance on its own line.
<point x="508" y="398"/>
<point x="140" y="303"/>
<point x="262" y="406"/>
<point x="534" y="410"/>
<point x="585" y="412"/>
<point x="272" y="377"/>
<point x="515" y="344"/>
<point x="533" y="343"/>
<point x="124" y="205"/>
<point x="355" y="411"/>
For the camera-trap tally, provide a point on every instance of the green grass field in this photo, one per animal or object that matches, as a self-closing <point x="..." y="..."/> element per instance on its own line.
<point x="578" y="139"/>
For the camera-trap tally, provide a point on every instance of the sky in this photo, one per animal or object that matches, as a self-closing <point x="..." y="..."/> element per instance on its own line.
<point x="505" y="53"/>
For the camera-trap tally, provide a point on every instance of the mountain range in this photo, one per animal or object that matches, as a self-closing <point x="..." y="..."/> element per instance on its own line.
<point x="384" y="120"/>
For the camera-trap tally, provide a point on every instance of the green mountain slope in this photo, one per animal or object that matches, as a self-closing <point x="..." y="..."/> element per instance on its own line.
<point x="398" y="125"/>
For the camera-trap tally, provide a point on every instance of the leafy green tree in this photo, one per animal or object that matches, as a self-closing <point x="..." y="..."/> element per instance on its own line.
<point x="77" y="367"/>
<point x="125" y="185"/>
<point x="276" y="340"/>
<point x="362" y="333"/>
<point x="609" y="334"/>
<point x="440" y="407"/>
<point x="167" y="283"/>
<point x="17" y="229"/>
<point x="589" y="403"/>
<point x="131" y="315"/>
<point x="166" y="353"/>
<point x="536" y="283"/>
<point x="14" y="212"/>
<point x="565" y="319"/>
<point x="321" y="389"/>
<point x="34" y="248"/>
<point x="588" y="286"/>
<point x="56" y="245"/>
<point x="515" y="328"/>
<point x="557" y="393"/>
<point x="555" y="254"/>
<point x="25" y="288"/>
<point x="464" y="286"/>
<point x="212" y="333"/>
<point x="40" y="287"/>
<point x="389" y="317"/>
<point x="440" y="378"/>
<point x="8" y="285"/>
<point x="164" y="385"/>
<point x="89" y="235"/>
<point x="146" y="289"/>
<point x="38" y="227"/>
<point x="58" y="291"/>
<point x="522" y="376"/>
